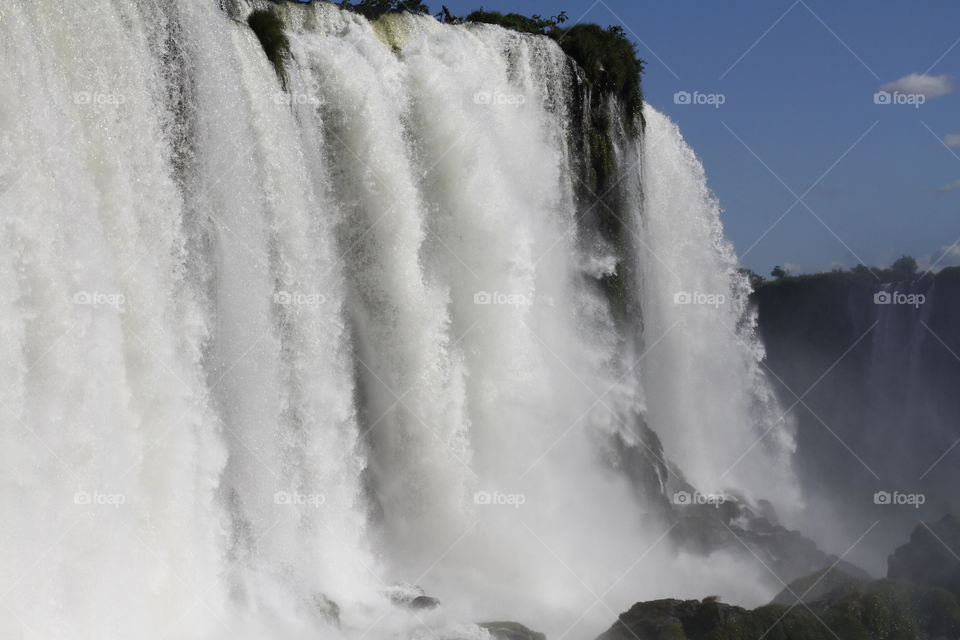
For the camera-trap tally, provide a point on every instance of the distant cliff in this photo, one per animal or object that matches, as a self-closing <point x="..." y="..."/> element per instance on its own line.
<point x="872" y="372"/>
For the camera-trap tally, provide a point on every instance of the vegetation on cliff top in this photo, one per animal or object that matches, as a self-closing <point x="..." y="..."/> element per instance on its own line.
<point x="373" y="9"/>
<point x="904" y="269"/>
<point x="268" y="27"/>
<point x="607" y="56"/>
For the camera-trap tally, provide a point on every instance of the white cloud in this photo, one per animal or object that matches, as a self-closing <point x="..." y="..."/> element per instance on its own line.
<point x="952" y="140"/>
<point x="794" y="269"/>
<point x="944" y="257"/>
<point x="950" y="186"/>
<point x="921" y="83"/>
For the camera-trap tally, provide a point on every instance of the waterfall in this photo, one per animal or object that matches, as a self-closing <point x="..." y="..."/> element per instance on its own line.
<point x="883" y="419"/>
<point x="274" y="349"/>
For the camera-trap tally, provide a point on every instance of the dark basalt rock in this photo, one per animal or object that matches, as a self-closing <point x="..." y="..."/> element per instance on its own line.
<point x="411" y="597"/>
<point x="506" y="630"/>
<point x="327" y="609"/>
<point x="423" y="602"/>
<point x="922" y="603"/>
<point x="734" y="526"/>
<point x="931" y="556"/>
<point x="673" y="620"/>
<point x="846" y="608"/>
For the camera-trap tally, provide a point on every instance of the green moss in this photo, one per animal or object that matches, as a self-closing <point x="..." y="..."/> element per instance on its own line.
<point x="603" y="159"/>
<point x="614" y="287"/>
<point x="392" y="31"/>
<point x="269" y="28"/>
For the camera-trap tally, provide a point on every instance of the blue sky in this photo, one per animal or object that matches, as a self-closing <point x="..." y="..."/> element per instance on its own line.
<point x="798" y="80"/>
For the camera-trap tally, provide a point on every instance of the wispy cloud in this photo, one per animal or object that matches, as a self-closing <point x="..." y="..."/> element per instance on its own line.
<point x="921" y="84"/>
<point x="950" y="186"/>
<point x="948" y="256"/>
<point x="952" y="140"/>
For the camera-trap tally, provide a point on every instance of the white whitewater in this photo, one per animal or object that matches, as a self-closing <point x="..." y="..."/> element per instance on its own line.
<point x="265" y="350"/>
<point x="703" y="375"/>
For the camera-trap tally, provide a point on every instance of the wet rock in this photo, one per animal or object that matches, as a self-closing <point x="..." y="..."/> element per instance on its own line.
<point x="506" y="630"/>
<point x="930" y="557"/>
<point x="423" y="602"/>
<point x="411" y="596"/>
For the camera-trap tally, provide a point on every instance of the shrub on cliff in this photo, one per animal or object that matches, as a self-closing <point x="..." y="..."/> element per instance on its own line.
<point x="268" y="27"/>
<point x="608" y="58"/>
<point x="373" y="9"/>
<point x="606" y="55"/>
<point x="534" y="24"/>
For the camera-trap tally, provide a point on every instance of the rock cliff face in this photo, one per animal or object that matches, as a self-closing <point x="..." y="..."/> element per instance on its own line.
<point x="931" y="556"/>
<point x="871" y="371"/>
<point x="917" y="601"/>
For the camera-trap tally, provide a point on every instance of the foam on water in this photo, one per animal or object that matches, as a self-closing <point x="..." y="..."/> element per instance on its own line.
<point x="266" y="349"/>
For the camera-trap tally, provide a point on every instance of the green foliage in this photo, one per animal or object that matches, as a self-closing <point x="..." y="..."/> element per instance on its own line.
<point x="603" y="159"/>
<point x="609" y="60"/>
<point x="534" y="24"/>
<point x="373" y="9"/>
<point x="268" y="26"/>
<point x="607" y="56"/>
<point x="755" y="278"/>
<point x="905" y="268"/>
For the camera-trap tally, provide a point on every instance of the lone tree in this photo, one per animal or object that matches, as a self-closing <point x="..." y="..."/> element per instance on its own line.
<point x="779" y="272"/>
<point x="905" y="268"/>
